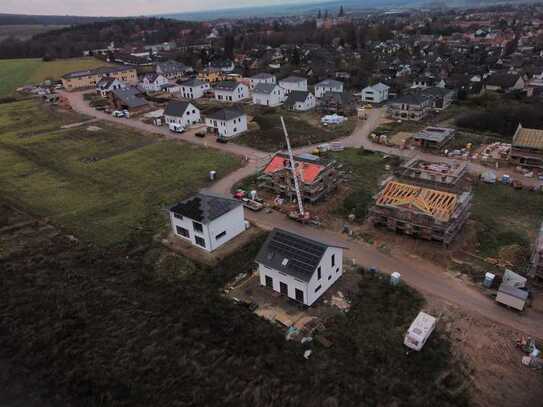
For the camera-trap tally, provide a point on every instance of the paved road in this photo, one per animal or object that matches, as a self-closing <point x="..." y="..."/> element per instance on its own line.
<point x="420" y="274"/>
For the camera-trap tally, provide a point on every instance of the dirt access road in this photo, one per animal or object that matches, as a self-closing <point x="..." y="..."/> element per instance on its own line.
<point x="420" y="274"/>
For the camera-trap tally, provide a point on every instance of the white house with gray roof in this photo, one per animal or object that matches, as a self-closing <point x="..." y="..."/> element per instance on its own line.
<point x="207" y="220"/>
<point x="231" y="91"/>
<point x="193" y="88"/>
<point x="298" y="267"/>
<point x="181" y="112"/>
<point x="268" y="94"/>
<point x="300" y="101"/>
<point x="376" y="93"/>
<point x="328" y="85"/>
<point x="294" y="83"/>
<point x="227" y="123"/>
<point x="257" y="79"/>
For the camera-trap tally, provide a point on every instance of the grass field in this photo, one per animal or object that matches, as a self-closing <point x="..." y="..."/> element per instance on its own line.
<point x="506" y="217"/>
<point x="19" y="72"/>
<point x="101" y="186"/>
<point x="301" y="128"/>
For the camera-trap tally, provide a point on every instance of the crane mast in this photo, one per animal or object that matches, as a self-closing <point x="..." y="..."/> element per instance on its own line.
<point x="294" y="176"/>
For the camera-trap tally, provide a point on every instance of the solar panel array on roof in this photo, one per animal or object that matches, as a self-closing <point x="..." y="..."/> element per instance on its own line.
<point x="292" y="254"/>
<point x="205" y="207"/>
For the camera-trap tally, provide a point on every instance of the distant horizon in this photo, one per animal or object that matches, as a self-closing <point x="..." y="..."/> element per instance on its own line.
<point x="141" y="8"/>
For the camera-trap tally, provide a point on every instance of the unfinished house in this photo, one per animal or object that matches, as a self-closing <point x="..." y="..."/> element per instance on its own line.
<point x="317" y="177"/>
<point x="434" y="174"/>
<point x="527" y="148"/>
<point x="433" y="138"/>
<point x="536" y="261"/>
<point x="421" y="212"/>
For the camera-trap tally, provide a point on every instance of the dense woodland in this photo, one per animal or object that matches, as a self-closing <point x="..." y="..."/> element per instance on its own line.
<point x="72" y="41"/>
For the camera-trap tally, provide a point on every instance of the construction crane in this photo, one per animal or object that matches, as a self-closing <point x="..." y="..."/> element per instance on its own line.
<point x="294" y="175"/>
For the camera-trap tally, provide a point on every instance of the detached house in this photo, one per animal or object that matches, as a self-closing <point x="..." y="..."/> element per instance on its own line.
<point x="504" y="82"/>
<point x="268" y="94"/>
<point x="328" y="85"/>
<point x="183" y="113"/>
<point x="107" y="85"/>
<point x="294" y="83"/>
<point x="193" y="88"/>
<point x="153" y="82"/>
<point x="409" y="107"/>
<point x="260" y="78"/>
<point x="207" y="220"/>
<point x="527" y="148"/>
<point x="130" y="99"/>
<point x="300" y="101"/>
<point x="172" y="70"/>
<point x="227" y="123"/>
<point x="375" y="94"/>
<point x="231" y="91"/>
<point x="297" y="267"/>
<point x="441" y="97"/>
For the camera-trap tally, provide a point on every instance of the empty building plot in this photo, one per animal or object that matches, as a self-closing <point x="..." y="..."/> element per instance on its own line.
<point x="421" y="212"/>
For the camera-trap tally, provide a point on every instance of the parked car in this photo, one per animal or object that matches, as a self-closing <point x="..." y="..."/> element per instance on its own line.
<point x="222" y="140"/>
<point x="200" y="134"/>
<point x="120" y="113"/>
<point x="176" y="128"/>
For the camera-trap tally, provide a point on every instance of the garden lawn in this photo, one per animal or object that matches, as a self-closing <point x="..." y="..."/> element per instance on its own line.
<point x="103" y="185"/>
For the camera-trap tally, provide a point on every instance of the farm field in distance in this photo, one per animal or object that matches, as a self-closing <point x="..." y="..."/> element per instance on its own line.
<point x="18" y="72"/>
<point x="100" y="185"/>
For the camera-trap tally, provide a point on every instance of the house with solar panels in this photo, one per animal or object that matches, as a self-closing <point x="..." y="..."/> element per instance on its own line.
<point x="298" y="267"/>
<point x="207" y="220"/>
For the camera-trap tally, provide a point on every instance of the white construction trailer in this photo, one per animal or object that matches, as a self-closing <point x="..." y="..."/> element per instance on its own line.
<point x="512" y="296"/>
<point x="419" y="331"/>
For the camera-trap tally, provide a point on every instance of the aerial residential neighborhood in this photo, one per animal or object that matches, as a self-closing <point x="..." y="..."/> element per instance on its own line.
<point x="271" y="204"/>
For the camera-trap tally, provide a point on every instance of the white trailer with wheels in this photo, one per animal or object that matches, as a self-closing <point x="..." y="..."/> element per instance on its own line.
<point x="419" y="331"/>
<point x="176" y="128"/>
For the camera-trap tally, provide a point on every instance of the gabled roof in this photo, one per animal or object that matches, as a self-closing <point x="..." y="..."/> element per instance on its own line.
<point x="264" y="88"/>
<point x="227" y="85"/>
<point x="205" y="207"/>
<point x="379" y="87"/>
<point x="193" y="82"/>
<point x="176" y="108"/>
<point x="528" y="138"/>
<point x="293" y="79"/>
<point x="292" y="254"/>
<point x="226" y="114"/>
<point x="105" y="82"/>
<point x="170" y="67"/>
<point x="308" y="169"/>
<point x="503" y="80"/>
<point x="130" y="97"/>
<point x="411" y="99"/>
<point x="329" y="83"/>
<point x="297" y="96"/>
<point x="262" y="76"/>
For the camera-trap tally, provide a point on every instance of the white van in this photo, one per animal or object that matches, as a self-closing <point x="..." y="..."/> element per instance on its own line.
<point x="176" y="128"/>
<point x="419" y="331"/>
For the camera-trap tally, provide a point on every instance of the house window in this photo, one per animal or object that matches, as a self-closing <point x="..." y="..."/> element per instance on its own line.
<point x="283" y="288"/>
<point x="333" y="260"/>
<point x="182" y="231"/>
<point x="200" y="241"/>
<point x="178" y="216"/>
<point x="269" y="281"/>
<point x="319" y="273"/>
<point x="299" y="295"/>
<point x="198" y="228"/>
<point x="318" y="288"/>
<point x="330" y="277"/>
<point x="337" y="270"/>
<point x="222" y="234"/>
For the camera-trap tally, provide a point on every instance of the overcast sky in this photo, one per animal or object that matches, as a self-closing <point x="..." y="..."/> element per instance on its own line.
<point x="125" y="7"/>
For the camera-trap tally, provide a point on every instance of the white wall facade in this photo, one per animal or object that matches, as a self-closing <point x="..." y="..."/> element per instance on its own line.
<point x="230" y="128"/>
<point x="315" y="287"/>
<point x="275" y="98"/>
<point x="190" y="117"/>
<point x="290" y="86"/>
<point x="239" y="93"/>
<point x="373" y="95"/>
<point x="309" y="103"/>
<point x="194" y="92"/>
<point x="155" y="86"/>
<point x="320" y="91"/>
<point x="255" y="81"/>
<point x="233" y="223"/>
